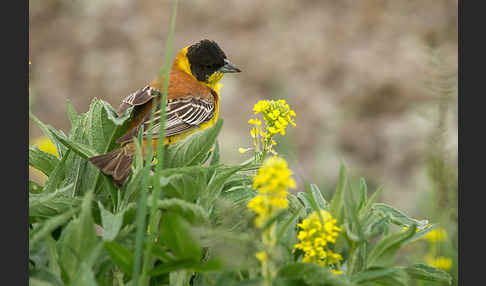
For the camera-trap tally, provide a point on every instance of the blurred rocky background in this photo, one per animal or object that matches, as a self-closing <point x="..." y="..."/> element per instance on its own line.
<point x="373" y="83"/>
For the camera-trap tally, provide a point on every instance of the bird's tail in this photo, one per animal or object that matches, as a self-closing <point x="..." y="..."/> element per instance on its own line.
<point x="116" y="163"/>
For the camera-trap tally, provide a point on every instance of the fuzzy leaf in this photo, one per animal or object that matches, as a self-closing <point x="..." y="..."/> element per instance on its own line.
<point x="56" y="176"/>
<point x="193" y="213"/>
<point x="82" y="150"/>
<point x="398" y="217"/>
<point x="176" y="234"/>
<point x="46" y="205"/>
<point x="388" y="246"/>
<point x="317" y="194"/>
<point x="428" y="273"/>
<point x="337" y="200"/>
<point x="111" y="223"/>
<point x="51" y="133"/>
<point x="49" y="225"/>
<point x="311" y="274"/>
<point x="120" y="255"/>
<point x="72" y="114"/>
<point x="42" y="161"/>
<point x="216" y="183"/>
<point x="185" y="183"/>
<point x="382" y="276"/>
<point x="193" y="149"/>
<point x="78" y="240"/>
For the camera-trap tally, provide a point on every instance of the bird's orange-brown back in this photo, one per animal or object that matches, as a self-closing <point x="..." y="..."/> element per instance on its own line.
<point x="181" y="85"/>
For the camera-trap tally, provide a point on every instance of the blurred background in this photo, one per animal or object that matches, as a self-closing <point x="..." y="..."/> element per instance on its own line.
<point x="373" y="83"/>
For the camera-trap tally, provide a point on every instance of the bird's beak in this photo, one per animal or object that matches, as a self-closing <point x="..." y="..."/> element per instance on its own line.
<point x="229" y="67"/>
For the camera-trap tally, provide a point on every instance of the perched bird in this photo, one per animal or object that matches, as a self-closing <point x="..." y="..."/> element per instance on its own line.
<point x="192" y="104"/>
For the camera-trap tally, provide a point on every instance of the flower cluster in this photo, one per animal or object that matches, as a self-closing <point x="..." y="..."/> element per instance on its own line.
<point x="272" y="181"/>
<point x="444" y="263"/>
<point x="315" y="239"/>
<point x="276" y="117"/>
<point x="435" y="237"/>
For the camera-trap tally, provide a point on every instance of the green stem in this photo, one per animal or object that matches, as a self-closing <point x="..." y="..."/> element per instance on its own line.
<point x="269" y="240"/>
<point x="153" y="222"/>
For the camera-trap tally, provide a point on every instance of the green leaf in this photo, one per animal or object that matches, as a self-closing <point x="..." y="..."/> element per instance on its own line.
<point x="305" y="201"/>
<point x="82" y="150"/>
<point x="193" y="213"/>
<point x="238" y="180"/>
<point x="72" y="114"/>
<point x="374" y="225"/>
<point x="85" y="275"/>
<point x="193" y="149"/>
<point x="51" y="133"/>
<point x="99" y="127"/>
<point x="337" y="200"/>
<point x="43" y="277"/>
<point x="388" y="246"/>
<point x="295" y="205"/>
<point x="363" y="188"/>
<point x="216" y="183"/>
<point x="113" y="115"/>
<point x="185" y="183"/>
<point x="80" y="172"/>
<point x="216" y="156"/>
<point x="172" y="266"/>
<point x="176" y="234"/>
<point x="292" y="220"/>
<point x="317" y="194"/>
<point x="160" y="252"/>
<point x="78" y="239"/>
<point x="398" y="217"/>
<point x="353" y="225"/>
<point x="56" y="176"/>
<point x="132" y="189"/>
<point x="120" y="255"/>
<point x="238" y="195"/>
<point x="311" y="274"/>
<point x="370" y="202"/>
<point x="382" y="276"/>
<point x="42" y="161"/>
<point x="428" y="273"/>
<point x="49" y="225"/>
<point x="46" y="205"/>
<point x="112" y="223"/>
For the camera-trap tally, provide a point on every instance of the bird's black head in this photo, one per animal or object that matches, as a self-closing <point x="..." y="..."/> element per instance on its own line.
<point x="207" y="58"/>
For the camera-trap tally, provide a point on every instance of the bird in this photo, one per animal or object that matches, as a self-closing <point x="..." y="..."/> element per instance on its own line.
<point x="193" y="101"/>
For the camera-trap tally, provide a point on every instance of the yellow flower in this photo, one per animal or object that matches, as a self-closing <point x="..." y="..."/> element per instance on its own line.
<point x="441" y="262"/>
<point x="315" y="239"/>
<point x="436" y="235"/>
<point x="276" y="115"/>
<point x="337" y="271"/>
<point x="272" y="181"/>
<point x="44" y="144"/>
<point x="274" y="174"/>
<point x="243" y="150"/>
<point x="262" y="256"/>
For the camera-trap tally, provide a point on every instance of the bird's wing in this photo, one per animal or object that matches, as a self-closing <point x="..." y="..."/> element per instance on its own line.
<point x="137" y="98"/>
<point x="182" y="113"/>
